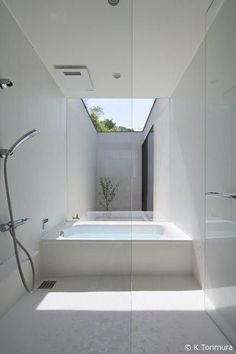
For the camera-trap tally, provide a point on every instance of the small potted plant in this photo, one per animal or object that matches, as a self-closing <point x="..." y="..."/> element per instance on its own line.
<point x="107" y="192"/>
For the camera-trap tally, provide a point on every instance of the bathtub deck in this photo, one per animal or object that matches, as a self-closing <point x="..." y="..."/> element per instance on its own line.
<point x="91" y="315"/>
<point x="169" y="254"/>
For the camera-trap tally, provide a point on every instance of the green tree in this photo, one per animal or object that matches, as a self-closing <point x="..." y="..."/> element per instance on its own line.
<point x="109" y="124"/>
<point x="98" y="110"/>
<point x="124" y="129"/>
<point x="106" y="125"/>
<point x="95" y="113"/>
<point x="107" y="192"/>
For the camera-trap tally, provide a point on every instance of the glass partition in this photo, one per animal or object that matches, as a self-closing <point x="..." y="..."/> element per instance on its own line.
<point x="100" y="172"/>
<point x="220" y="248"/>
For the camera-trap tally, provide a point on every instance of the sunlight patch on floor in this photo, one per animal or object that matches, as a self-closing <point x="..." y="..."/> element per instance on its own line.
<point x="86" y="301"/>
<point x="123" y="301"/>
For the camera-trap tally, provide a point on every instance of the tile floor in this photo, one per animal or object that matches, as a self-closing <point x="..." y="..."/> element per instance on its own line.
<point x="91" y="315"/>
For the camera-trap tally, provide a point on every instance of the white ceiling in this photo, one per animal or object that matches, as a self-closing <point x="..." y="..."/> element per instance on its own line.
<point x="150" y="43"/>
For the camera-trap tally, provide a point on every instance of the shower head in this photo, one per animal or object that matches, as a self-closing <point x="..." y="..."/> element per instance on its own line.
<point x="20" y="141"/>
<point x="30" y="134"/>
<point x="5" y="83"/>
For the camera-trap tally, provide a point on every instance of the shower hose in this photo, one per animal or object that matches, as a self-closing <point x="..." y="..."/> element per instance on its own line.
<point x="16" y="242"/>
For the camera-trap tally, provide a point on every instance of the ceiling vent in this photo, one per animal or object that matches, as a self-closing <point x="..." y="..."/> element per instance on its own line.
<point x="74" y="77"/>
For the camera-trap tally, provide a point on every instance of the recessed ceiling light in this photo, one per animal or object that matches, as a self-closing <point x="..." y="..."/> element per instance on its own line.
<point x="113" y="2"/>
<point x="117" y="76"/>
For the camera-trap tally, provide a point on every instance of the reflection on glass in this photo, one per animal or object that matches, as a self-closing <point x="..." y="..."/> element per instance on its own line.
<point x="221" y="169"/>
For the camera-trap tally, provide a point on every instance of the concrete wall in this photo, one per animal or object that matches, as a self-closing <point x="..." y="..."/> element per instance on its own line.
<point x="119" y="157"/>
<point x="37" y="169"/>
<point x="91" y="155"/>
<point x="81" y="160"/>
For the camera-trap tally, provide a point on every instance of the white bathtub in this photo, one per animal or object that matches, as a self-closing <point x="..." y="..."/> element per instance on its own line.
<point x="114" y="248"/>
<point x="111" y="231"/>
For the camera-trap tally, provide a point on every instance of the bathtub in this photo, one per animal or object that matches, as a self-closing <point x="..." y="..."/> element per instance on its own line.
<point x="112" y="231"/>
<point x="114" y="248"/>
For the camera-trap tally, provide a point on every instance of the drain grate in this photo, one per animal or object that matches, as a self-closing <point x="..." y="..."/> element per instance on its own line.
<point x="47" y="284"/>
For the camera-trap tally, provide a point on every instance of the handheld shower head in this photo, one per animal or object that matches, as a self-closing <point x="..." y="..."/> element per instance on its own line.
<point x="20" y="141"/>
<point x="7" y="152"/>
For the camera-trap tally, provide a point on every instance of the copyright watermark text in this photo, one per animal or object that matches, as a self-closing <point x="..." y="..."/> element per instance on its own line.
<point x="207" y="347"/>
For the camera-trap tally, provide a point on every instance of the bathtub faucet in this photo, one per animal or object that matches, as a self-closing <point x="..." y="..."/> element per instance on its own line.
<point x="76" y="217"/>
<point x="8" y="226"/>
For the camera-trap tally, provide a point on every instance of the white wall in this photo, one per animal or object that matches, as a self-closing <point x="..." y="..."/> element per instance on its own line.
<point x="81" y="160"/>
<point x="187" y="156"/>
<point x="119" y="157"/>
<point x="179" y="157"/>
<point x="37" y="169"/>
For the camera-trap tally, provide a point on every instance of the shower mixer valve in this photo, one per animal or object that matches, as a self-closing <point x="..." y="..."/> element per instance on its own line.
<point x="13" y="224"/>
<point x="8" y="226"/>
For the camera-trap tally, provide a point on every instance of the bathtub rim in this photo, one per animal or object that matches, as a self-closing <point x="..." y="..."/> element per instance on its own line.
<point x="175" y="234"/>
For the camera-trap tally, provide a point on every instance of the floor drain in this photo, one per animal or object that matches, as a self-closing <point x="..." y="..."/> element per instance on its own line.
<point x="47" y="284"/>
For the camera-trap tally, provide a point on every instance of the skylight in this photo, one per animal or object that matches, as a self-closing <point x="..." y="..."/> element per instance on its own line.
<point x="119" y="114"/>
